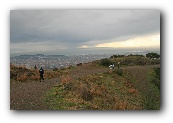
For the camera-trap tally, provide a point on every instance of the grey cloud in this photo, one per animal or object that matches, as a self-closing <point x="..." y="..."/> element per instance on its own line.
<point x="77" y="27"/>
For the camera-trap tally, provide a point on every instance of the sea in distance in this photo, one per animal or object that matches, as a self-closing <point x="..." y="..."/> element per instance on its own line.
<point x="63" y="61"/>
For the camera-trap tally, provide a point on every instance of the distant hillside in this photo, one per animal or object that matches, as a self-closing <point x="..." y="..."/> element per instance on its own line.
<point x="129" y="60"/>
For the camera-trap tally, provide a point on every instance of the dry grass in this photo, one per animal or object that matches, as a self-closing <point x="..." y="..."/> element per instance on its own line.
<point x="65" y="79"/>
<point x="97" y="92"/>
<point x="132" y="91"/>
<point x="21" y="77"/>
<point x="23" y="74"/>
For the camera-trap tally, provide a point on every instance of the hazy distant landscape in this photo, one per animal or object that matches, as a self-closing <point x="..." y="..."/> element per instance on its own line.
<point x="62" y="61"/>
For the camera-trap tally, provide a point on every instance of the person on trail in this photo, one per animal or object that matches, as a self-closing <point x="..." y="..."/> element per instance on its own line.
<point x="41" y="71"/>
<point x="35" y="67"/>
<point x="118" y="65"/>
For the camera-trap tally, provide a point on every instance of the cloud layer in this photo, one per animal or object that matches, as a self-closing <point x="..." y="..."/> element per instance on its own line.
<point x="70" y="29"/>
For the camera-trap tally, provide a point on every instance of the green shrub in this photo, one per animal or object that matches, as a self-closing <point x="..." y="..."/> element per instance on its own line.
<point x="152" y="55"/>
<point x="127" y="61"/>
<point x="154" y="77"/>
<point x="119" y="72"/>
<point x="105" y="62"/>
<point x="140" y="61"/>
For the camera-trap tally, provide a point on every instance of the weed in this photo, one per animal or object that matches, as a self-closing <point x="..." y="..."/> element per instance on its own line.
<point x="119" y="72"/>
<point x="21" y="77"/>
<point x="132" y="91"/>
<point x="121" y="105"/>
<point x="86" y="94"/>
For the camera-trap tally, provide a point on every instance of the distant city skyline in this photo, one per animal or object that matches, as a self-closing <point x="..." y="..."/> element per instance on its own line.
<point x="69" y="32"/>
<point x="53" y="61"/>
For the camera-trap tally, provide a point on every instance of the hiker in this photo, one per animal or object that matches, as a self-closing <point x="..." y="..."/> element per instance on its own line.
<point x="118" y="65"/>
<point x="41" y="71"/>
<point x="35" y="67"/>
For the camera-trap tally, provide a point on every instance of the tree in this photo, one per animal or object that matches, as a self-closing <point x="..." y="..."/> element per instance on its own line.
<point x="152" y="55"/>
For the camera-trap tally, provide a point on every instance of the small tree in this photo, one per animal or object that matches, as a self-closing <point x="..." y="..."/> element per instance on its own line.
<point x="105" y="62"/>
<point x="152" y="55"/>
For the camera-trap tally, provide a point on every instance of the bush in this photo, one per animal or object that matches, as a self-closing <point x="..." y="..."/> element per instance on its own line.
<point x="152" y="55"/>
<point x="21" y="77"/>
<point x="140" y="61"/>
<point x="127" y="61"/>
<point x="68" y="86"/>
<point x="117" y="56"/>
<point x="13" y="75"/>
<point x="105" y="62"/>
<point x="55" y="69"/>
<point x="120" y="72"/>
<point x="154" y="77"/>
<point x="86" y="94"/>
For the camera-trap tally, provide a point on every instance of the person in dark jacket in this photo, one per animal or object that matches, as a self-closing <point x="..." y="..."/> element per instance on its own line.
<point x="35" y="67"/>
<point x="41" y="71"/>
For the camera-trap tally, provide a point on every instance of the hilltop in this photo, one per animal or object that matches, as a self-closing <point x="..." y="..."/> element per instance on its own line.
<point x="91" y="86"/>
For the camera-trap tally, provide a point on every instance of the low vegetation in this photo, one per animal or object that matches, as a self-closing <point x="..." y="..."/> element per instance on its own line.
<point x="106" y="91"/>
<point x="130" y="60"/>
<point x="152" y="98"/>
<point x="22" y="74"/>
<point x="146" y="82"/>
<point x="103" y="91"/>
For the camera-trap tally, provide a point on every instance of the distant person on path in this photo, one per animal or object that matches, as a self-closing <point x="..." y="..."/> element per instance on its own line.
<point x="35" y="67"/>
<point x="41" y="71"/>
<point x="118" y="65"/>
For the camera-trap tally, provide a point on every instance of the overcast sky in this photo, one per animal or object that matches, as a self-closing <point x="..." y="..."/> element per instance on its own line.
<point x="83" y="31"/>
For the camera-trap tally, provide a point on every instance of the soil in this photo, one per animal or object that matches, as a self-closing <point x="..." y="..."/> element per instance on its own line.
<point x="28" y="95"/>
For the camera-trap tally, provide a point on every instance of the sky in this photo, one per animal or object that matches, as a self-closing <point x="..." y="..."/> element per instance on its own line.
<point x="70" y="32"/>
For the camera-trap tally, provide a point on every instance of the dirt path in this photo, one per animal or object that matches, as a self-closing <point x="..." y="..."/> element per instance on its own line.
<point x="28" y="95"/>
<point x="140" y="75"/>
<point x="140" y="72"/>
